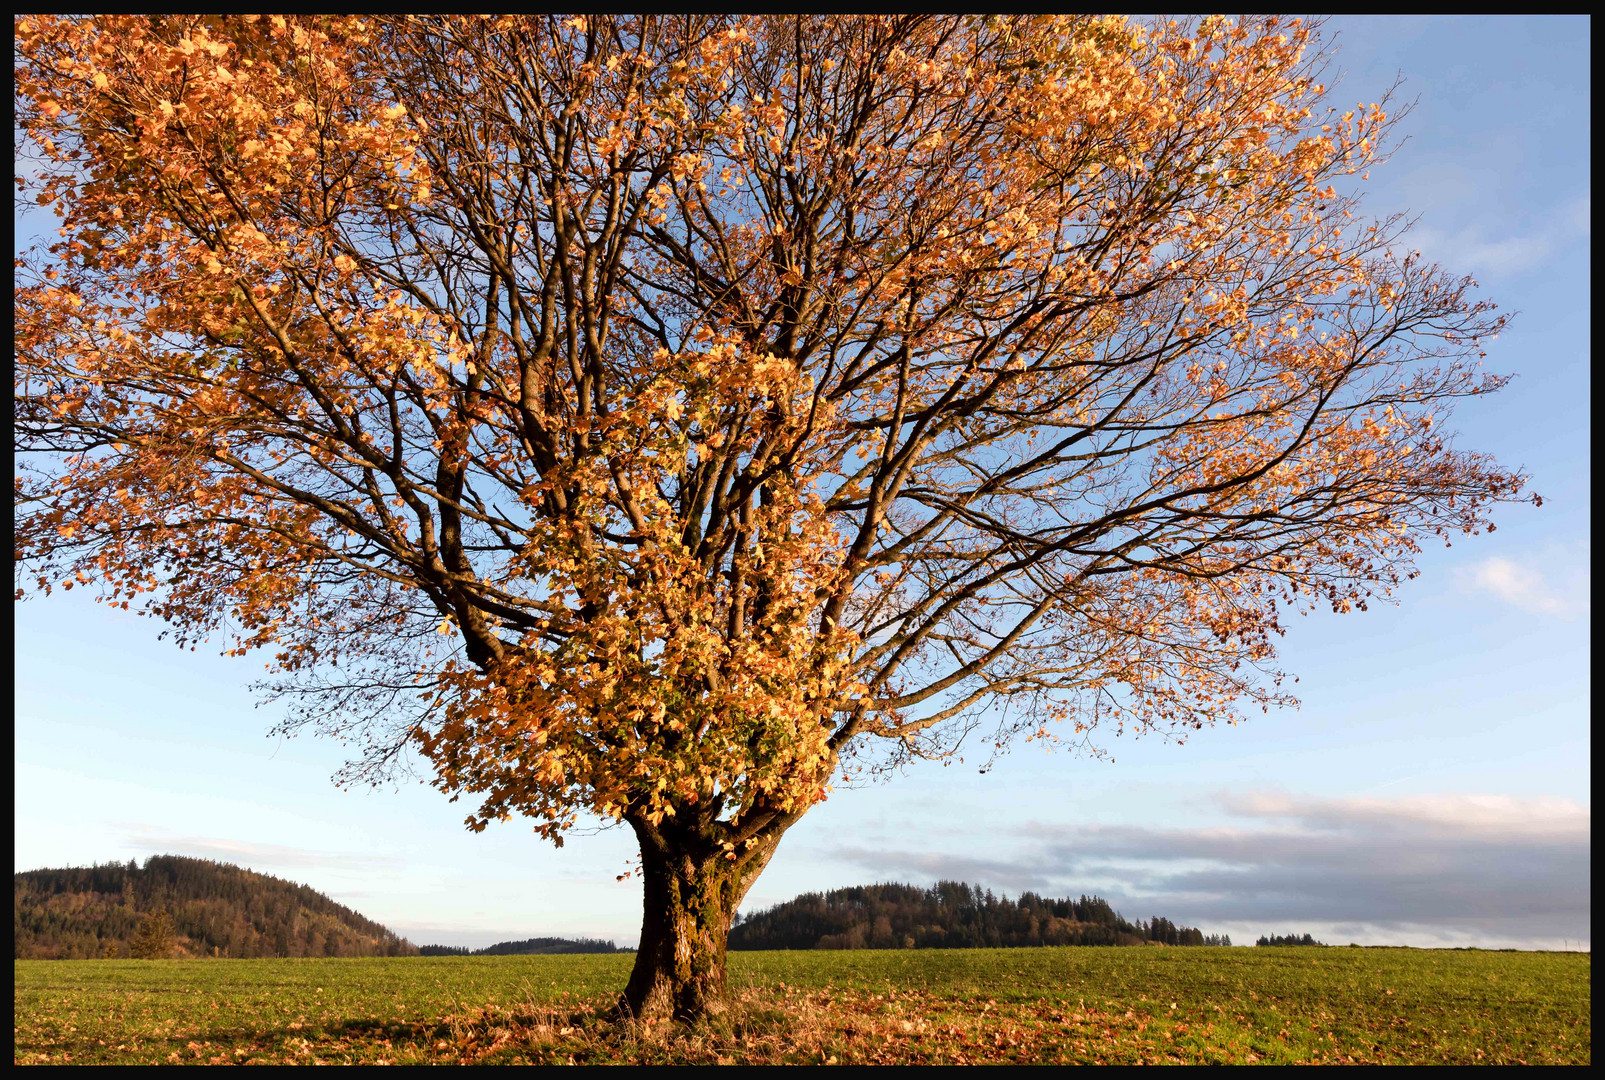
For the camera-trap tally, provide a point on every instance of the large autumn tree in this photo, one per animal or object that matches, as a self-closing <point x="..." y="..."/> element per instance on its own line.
<point x="648" y="419"/>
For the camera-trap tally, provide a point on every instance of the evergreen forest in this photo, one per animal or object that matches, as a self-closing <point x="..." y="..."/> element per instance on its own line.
<point x="210" y="909"/>
<point x="950" y="915"/>
<point x="181" y="907"/>
<point x="1288" y="939"/>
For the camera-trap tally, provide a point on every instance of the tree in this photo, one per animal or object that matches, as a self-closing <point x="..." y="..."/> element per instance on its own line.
<point x="659" y="418"/>
<point x="155" y="938"/>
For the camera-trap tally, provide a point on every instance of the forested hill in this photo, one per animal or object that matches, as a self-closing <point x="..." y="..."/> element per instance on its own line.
<point x="213" y="909"/>
<point x="951" y="915"/>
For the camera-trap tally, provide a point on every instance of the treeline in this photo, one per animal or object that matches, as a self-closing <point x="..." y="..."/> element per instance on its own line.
<point x="181" y="907"/>
<point x="952" y="915"/>
<point x="536" y="946"/>
<point x="1289" y="939"/>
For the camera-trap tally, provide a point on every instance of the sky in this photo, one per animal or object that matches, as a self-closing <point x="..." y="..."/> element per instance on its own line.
<point x="1433" y="788"/>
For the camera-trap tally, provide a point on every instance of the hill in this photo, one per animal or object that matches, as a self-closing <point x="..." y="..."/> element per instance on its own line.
<point x="950" y="915"/>
<point x="538" y="946"/>
<point x="215" y="909"/>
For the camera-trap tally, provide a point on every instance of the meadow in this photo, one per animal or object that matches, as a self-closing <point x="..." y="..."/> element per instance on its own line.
<point x="1091" y="1005"/>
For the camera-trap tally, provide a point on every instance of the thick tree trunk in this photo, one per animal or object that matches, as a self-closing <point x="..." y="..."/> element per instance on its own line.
<point x="679" y="966"/>
<point x="691" y="894"/>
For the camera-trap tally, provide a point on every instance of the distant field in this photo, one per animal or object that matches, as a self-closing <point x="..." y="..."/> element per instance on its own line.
<point x="1014" y="1005"/>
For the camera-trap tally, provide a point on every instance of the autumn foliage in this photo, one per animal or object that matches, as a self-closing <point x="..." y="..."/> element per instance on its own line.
<point x="653" y="417"/>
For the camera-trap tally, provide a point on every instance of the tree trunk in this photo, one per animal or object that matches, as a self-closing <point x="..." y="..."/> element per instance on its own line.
<point x="690" y="895"/>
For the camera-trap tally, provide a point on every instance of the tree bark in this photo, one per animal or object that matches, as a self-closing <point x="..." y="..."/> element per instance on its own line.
<point x="691" y="893"/>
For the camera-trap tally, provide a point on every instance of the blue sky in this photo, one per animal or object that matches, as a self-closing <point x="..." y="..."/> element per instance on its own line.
<point x="1434" y="788"/>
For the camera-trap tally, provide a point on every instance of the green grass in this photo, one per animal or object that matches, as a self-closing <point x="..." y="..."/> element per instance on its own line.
<point x="1041" y="1005"/>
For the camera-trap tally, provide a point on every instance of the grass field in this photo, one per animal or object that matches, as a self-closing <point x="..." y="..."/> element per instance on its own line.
<point x="984" y="1005"/>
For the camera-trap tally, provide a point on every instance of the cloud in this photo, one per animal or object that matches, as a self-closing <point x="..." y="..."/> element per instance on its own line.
<point x="1471" y="250"/>
<point x="1424" y="869"/>
<point x="1579" y="217"/>
<point x="245" y="853"/>
<point x="934" y="866"/>
<point x="1525" y="587"/>
<point x="1487" y="817"/>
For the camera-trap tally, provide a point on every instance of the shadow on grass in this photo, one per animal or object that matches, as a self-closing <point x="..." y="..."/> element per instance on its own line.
<point x="751" y="1031"/>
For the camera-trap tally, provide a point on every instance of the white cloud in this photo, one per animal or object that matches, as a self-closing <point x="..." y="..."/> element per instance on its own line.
<point x="244" y="853"/>
<point x="1480" y="817"/>
<point x="1450" y="869"/>
<point x="1579" y="216"/>
<point x="1469" y="251"/>
<point x="1472" y="250"/>
<point x="1524" y="586"/>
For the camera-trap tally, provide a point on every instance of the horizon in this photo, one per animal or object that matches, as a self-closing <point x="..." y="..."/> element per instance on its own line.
<point x="744" y="915"/>
<point x="1434" y="791"/>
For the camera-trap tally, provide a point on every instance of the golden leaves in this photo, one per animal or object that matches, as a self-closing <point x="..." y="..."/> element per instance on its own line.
<point x="662" y="424"/>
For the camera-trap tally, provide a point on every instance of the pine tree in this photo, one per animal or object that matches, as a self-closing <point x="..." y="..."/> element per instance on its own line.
<point x="155" y="938"/>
